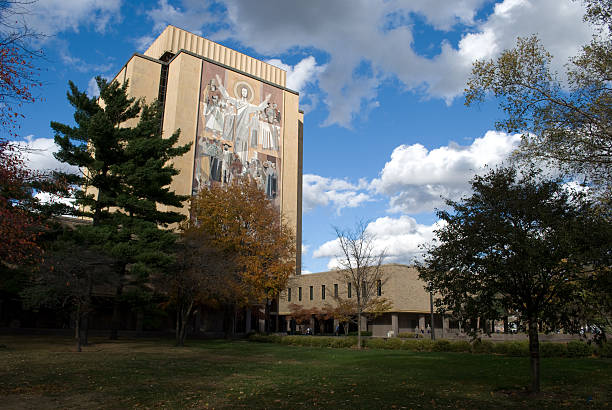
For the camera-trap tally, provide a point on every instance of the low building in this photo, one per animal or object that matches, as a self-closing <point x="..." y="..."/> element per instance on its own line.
<point x="410" y="311"/>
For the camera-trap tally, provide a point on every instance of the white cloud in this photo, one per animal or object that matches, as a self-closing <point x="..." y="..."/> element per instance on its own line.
<point x="379" y="34"/>
<point x="77" y="64"/>
<point x="415" y="178"/>
<point x="47" y="198"/>
<point x="191" y="15"/>
<point x="321" y="191"/>
<point x="400" y="239"/>
<point x="54" y="16"/>
<point x="301" y="74"/>
<point x="370" y="41"/>
<point x="38" y="155"/>
<point x="92" y="88"/>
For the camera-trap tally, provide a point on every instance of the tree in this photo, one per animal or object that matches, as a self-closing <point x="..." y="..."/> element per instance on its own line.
<point x="360" y="265"/>
<point x="19" y="228"/>
<point x="304" y="316"/>
<point x="243" y="224"/>
<point x="126" y="174"/>
<point x="520" y="244"/>
<point x="18" y="75"/>
<point x="202" y="274"/>
<point x="566" y="124"/>
<point x="67" y="278"/>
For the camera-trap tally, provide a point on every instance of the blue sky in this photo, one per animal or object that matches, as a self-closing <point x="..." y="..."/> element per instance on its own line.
<point x="386" y="133"/>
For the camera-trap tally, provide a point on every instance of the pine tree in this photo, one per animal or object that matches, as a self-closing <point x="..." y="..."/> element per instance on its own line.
<point x="126" y="177"/>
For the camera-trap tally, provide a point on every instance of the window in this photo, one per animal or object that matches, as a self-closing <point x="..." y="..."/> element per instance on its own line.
<point x="335" y="290"/>
<point x="379" y="288"/>
<point x="311" y="293"/>
<point x="349" y="290"/>
<point x="289" y="295"/>
<point x="323" y="292"/>
<point x="300" y="294"/>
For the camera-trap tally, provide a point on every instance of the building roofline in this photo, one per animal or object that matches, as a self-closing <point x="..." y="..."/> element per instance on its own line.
<point x="155" y="60"/>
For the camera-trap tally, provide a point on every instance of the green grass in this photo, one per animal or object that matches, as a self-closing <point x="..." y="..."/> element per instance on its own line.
<point x="38" y="372"/>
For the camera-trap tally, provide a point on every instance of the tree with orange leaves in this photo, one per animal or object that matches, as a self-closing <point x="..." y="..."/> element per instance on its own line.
<point x="241" y="222"/>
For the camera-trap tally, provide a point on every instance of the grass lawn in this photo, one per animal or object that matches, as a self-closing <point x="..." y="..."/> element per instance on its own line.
<point x="45" y="372"/>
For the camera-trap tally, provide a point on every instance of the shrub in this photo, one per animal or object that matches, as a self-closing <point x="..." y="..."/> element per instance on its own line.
<point x="375" y="343"/>
<point x="425" y="345"/>
<point x="409" y="335"/>
<point x="576" y="348"/>
<point x="394" y="343"/>
<point x="605" y="350"/>
<point x="482" y="346"/>
<point x="410" y="344"/>
<point x="344" y="342"/>
<point x="441" y="346"/>
<point x="460" y="346"/>
<point x="517" y="348"/>
<point x="553" y="349"/>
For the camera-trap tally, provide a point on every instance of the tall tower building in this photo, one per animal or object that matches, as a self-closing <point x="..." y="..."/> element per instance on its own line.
<point x="234" y="109"/>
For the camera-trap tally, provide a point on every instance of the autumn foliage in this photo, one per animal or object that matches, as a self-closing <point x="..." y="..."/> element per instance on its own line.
<point x="18" y="226"/>
<point x="242" y="223"/>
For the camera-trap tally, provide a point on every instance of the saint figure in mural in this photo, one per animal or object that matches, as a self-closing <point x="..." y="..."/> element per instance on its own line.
<point x="214" y="112"/>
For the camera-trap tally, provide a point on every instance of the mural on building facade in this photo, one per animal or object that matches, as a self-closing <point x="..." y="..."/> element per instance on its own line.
<point x="239" y="131"/>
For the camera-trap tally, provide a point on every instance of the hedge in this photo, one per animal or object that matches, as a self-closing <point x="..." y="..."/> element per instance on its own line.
<point x="511" y="348"/>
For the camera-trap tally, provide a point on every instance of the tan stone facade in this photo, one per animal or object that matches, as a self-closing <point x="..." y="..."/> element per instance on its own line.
<point x="234" y="110"/>
<point x="410" y="309"/>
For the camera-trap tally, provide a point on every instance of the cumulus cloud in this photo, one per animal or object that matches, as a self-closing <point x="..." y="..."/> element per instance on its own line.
<point x="380" y="34"/>
<point x="301" y="74"/>
<point x="400" y="238"/>
<point x="339" y="193"/>
<point x="50" y="17"/>
<point x="190" y="15"/>
<point x="77" y="64"/>
<point x="38" y="155"/>
<point x="415" y="178"/>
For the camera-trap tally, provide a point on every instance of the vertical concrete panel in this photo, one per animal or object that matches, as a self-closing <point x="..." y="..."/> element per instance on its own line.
<point x="181" y="111"/>
<point x="290" y="177"/>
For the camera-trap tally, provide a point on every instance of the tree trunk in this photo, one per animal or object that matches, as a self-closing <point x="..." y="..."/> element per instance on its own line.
<point x="77" y="327"/>
<point x="534" y="355"/>
<point x="139" y="321"/>
<point x="506" y="324"/>
<point x="85" y="329"/>
<point x="182" y="334"/>
<point x="431" y="312"/>
<point x="116" y="320"/>
<point x="359" y="329"/>
<point x="267" y="317"/>
<point x="177" y="328"/>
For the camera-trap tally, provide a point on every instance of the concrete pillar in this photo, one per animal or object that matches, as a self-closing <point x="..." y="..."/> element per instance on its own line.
<point x="248" y="320"/>
<point x="421" y="322"/>
<point x="364" y="324"/>
<point x="336" y="324"/>
<point x="312" y="325"/>
<point x="395" y="324"/>
<point x="445" y="325"/>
